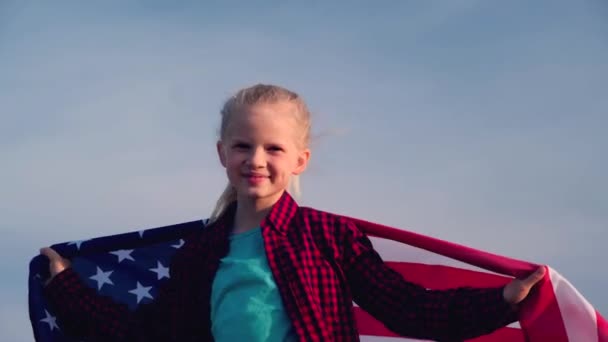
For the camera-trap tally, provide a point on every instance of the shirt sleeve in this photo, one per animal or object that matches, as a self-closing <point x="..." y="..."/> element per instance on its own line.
<point x="411" y="310"/>
<point x="85" y="314"/>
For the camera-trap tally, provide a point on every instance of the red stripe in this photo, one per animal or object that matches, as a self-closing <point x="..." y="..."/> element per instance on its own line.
<point x="444" y="277"/>
<point x="541" y="317"/>
<point x="368" y="325"/>
<point x="489" y="261"/>
<point x="602" y="328"/>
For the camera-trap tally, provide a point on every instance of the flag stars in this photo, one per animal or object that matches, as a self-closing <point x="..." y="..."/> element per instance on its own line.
<point x="123" y="254"/>
<point x="50" y="320"/>
<point x="77" y="243"/>
<point x="102" y="278"/>
<point x="161" y="271"/>
<point x="141" y="292"/>
<point x="179" y="244"/>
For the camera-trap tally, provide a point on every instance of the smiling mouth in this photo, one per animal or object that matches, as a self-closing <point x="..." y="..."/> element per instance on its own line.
<point x="254" y="177"/>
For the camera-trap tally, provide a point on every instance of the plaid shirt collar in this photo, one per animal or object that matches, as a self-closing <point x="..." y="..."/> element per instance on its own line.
<point x="281" y="214"/>
<point x="279" y="217"/>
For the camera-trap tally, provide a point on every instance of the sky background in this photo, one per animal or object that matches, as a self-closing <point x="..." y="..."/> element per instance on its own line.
<point x="479" y="122"/>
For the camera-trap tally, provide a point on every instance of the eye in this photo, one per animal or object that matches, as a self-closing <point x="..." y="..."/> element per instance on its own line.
<point x="240" y="146"/>
<point x="275" y="148"/>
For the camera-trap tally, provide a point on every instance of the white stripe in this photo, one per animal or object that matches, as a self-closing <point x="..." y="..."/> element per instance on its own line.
<point x="578" y="315"/>
<point x="514" y="325"/>
<point x="391" y="250"/>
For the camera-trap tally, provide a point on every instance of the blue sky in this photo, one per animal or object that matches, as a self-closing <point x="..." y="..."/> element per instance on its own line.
<point x="479" y="122"/>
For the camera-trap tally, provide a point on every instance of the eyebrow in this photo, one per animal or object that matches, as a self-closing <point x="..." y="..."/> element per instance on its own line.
<point x="237" y="140"/>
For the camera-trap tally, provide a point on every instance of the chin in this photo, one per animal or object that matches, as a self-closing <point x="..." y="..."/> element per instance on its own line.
<point x="257" y="194"/>
<point x="254" y="193"/>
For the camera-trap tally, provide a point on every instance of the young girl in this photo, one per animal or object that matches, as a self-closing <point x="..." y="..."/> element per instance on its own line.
<point x="266" y="269"/>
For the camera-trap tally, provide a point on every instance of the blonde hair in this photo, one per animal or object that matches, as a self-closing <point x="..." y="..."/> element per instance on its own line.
<point x="256" y="94"/>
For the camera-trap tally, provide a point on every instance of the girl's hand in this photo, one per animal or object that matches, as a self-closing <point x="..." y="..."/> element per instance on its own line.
<point x="518" y="289"/>
<point x="56" y="262"/>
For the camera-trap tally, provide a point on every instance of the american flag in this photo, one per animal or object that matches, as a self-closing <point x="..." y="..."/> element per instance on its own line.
<point x="130" y="267"/>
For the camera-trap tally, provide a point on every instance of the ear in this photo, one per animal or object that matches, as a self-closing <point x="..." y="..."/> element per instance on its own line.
<point x="303" y="158"/>
<point x="220" y="153"/>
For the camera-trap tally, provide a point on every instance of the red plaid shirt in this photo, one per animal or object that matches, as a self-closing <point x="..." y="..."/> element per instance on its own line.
<point x="320" y="261"/>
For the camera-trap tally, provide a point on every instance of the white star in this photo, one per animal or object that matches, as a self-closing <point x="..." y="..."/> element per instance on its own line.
<point x="102" y="278"/>
<point x="50" y="320"/>
<point x="77" y="243"/>
<point x="179" y="245"/>
<point x="161" y="271"/>
<point x="123" y="254"/>
<point x="141" y="292"/>
<point x="141" y="233"/>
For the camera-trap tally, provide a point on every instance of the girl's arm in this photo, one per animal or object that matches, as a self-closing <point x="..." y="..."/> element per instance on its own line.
<point x="83" y="313"/>
<point x="411" y="310"/>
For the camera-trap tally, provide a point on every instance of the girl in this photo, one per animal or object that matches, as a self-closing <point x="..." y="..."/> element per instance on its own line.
<point x="266" y="269"/>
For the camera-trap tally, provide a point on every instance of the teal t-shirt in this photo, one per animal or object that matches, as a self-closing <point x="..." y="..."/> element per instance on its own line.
<point x="245" y="301"/>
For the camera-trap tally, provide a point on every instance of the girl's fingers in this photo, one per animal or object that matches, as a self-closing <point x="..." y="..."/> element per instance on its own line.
<point x="50" y="253"/>
<point x="56" y="262"/>
<point x="535" y="277"/>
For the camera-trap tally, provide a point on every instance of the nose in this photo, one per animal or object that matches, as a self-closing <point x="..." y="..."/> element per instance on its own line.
<point x="257" y="158"/>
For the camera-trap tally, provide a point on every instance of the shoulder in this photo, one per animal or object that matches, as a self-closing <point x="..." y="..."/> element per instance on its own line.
<point x="326" y="221"/>
<point x="339" y="234"/>
<point x="315" y="215"/>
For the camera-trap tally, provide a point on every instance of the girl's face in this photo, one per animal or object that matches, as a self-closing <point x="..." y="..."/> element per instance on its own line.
<point x="261" y="149"/>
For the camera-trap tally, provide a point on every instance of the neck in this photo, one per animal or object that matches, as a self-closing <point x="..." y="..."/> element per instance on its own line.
<point x="251" y="212"/>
